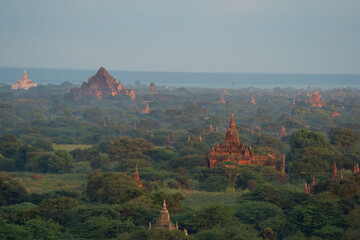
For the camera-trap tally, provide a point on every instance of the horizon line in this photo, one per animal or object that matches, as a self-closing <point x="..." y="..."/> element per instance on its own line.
<point x="162" y="71"/>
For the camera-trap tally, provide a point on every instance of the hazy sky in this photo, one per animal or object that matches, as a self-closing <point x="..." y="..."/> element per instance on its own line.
<point x="278" y="36"/>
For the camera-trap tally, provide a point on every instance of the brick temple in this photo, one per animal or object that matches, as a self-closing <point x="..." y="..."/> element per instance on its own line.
<point x="102" y="84"/>
<point x="232" y="150"/>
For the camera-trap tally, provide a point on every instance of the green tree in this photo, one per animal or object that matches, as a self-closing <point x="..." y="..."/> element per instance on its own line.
<point x="112" y="188"/>
<point x="10" y="231"/>
<point x="263" y="215"/>
<point x="125" y="146"/>
<point x="55" y="207"/>
<point x="60" y="162"/>
<point x="353" y="232"/>
<point x="101" y="228"/>
<point x="11" y="191"/>
<point x="270" y="142"/>
<point x="38" y="163"/>
<point x="317" y="215"/>
<point x="310" y="152"/>
<point x="8" y="145"/>
<point x="344" y="139"/>
<point x="214" y="183"/>
<point x="43" y="229"/>
<point x="208" y="218"/>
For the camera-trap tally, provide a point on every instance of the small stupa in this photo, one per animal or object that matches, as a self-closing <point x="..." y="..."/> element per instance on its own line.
<point x="146" y="110"/>
<point x="168" y="141"/>
<point x="253" y="100"/>
<point x="164" y="221"/>
<point x="24" y="83"/>
<point x="137" y="176"/>
<point x="211" y="130"/>
<point x="222" y="100"/>
<point x="282" y="132"/>
<point x="335" y="114"/>
<point x="334" y="171"/>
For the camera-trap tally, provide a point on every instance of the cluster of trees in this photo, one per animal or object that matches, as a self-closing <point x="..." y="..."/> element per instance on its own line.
<point x="271" y="205"/>
<point x="114" y="207"/>
<point x="38" y="157"/>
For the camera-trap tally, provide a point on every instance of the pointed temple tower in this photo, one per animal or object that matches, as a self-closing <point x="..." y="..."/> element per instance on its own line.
<point x="146" y="110"/>
<point x="253" y="101"/>
<point x="237" y="151"/>
<point x="313" y="182"/>
<point x="282" y="132"/>
<point x="168" y="141"/>
<point x="164" y="221"/>
<point x="283" y="163"/>
<point x="334" y="171"/>
<point x="221" y="101"/>
<point x="137" y="176"/>
<point x="24" y="83"/>
<point x="211" y="129"/>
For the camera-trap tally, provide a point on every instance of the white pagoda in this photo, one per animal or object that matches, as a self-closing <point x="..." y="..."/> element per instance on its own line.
<point x="24" y="83"/>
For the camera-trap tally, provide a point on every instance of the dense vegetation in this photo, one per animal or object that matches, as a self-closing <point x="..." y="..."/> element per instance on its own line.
<point x="66" y="165"/>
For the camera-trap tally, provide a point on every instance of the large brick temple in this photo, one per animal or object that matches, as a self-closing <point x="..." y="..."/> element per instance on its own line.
<point x="102" y="84"/>
<point x="232" y="150"/>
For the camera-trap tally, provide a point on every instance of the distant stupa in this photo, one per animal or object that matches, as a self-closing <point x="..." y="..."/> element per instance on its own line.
<point x="24" y="83"/>
<point x="146" y="110"/>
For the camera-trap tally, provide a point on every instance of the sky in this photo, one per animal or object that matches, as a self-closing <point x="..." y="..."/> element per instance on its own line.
<point x="262" y="36"/>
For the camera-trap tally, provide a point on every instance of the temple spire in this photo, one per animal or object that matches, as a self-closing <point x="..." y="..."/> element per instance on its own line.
<point x="137" y="176"/>
<point x="232" y="122"/>
<point x="164" y="221"/>
<point x="334" y="171"/>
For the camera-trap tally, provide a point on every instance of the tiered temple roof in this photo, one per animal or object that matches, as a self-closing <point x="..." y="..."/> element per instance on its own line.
<point x="152" y="89"/>
<point x="24" y="83"/>
<point x="316" y="100"/>
<point x="103" y="84"/>
<point x="235" y="151"/>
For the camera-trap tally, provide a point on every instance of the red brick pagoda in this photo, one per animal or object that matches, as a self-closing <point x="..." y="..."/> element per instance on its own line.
<point x="146" y="110"/>
<point x="102" y="84"/>
<point x="152" y="89"/>
<point x="137" y="176"/>
<point x="316" y="100"/>
<point x="232" y="150"/>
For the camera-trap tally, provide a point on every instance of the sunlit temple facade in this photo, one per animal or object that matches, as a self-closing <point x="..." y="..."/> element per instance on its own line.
<point x="24" y="83"/>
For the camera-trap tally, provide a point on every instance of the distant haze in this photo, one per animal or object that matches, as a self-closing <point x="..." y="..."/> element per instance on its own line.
<point x="277" y="36"/>
<point x="188" y="79"/>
